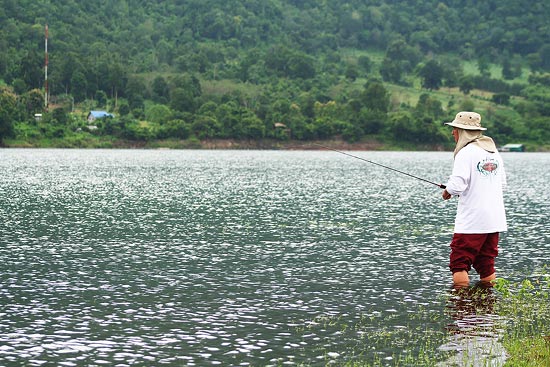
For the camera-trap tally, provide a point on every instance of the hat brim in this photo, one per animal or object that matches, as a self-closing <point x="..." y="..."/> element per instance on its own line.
<point x="465" y="127"/>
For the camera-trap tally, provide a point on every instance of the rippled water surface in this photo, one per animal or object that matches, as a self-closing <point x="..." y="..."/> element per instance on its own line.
<point x="236" y="257"/>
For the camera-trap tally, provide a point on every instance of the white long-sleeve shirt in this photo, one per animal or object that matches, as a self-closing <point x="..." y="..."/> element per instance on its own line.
<point x="478" y="179"/>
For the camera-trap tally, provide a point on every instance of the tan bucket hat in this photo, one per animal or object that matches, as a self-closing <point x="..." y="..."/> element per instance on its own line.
<point x="467" y="121"/>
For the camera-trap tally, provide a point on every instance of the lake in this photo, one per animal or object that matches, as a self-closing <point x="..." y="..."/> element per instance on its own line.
<point x="161" y="257"/>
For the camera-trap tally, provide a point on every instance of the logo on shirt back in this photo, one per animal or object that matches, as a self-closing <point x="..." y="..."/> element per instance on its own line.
<point x="488" y="167"/>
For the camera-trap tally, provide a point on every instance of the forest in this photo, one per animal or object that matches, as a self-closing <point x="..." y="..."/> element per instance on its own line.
<point x="180" y="73"/>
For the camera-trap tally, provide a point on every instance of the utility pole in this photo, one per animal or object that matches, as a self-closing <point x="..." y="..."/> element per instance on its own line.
<point x="46" y="68"/>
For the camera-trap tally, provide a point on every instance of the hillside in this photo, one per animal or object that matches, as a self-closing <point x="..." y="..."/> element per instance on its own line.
<point x="269" y="69"/>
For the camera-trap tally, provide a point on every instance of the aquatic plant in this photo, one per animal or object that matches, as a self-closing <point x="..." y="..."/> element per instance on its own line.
<point x="526" y="306"/>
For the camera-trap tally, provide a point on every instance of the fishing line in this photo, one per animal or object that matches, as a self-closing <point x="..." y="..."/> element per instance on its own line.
<point x="381" y="165"/>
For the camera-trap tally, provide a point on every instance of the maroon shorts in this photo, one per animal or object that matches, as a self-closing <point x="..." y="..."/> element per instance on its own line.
<point x="477" y="250"/>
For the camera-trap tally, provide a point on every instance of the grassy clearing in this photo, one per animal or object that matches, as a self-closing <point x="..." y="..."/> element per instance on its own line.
<point x="495" y="71"/>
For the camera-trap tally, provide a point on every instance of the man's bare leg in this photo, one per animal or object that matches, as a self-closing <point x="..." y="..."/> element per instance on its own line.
<point x="489" y="279"/>
<point x="461" y="279"/>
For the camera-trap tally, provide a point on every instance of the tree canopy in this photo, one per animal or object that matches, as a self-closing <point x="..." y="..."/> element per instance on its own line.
<point x="269" y="62"/>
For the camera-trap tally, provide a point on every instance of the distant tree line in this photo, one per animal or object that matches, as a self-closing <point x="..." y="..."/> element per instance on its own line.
<point x="293" y="69"/>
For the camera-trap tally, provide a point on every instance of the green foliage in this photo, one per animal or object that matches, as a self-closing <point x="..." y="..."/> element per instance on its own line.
<point x="432" y="74"/>
<point x="526" y="305"/>
<point x="542" y="79"/>
<point x="258" y="69"/>
<point x="135" y="130"/>
<point x="540" y="96"/>
<point x="392" y="71"/>
<point x="8" y="112"/>
<point x="27" y="131"/>
<point x="123" y="108"/>
<point x="501" y="98"/>
<point x="59" y="116"/>
<point x="79" y="86"/>
<point x="33" y="101"/>
<point x="182" y="100"/>
<point x="253" y="127"/>
<point x="375" y="97"/>
<point x="467" y="105"/>
<point x="174" y="129"/>
<point x="158" y="114"/>
<point x="205" y="127"/>
<point x="160" y="90"/>
<point x="466" y="84"/>
<point x="101" y="98"/>
<point x="364" y="63"/>
<point x="429" y="106"/>
<point x="409" y="128"/>
<point x="539" y="129"/>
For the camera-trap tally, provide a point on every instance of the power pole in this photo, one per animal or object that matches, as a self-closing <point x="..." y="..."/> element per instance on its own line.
<point x="46" y="68"/>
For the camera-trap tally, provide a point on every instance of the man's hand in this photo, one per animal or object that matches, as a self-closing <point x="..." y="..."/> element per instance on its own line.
<point x="446" y="195"/>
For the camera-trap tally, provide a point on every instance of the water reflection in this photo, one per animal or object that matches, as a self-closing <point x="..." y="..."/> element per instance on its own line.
<point x="233" y="257"/>
<point x="475" y="330"/>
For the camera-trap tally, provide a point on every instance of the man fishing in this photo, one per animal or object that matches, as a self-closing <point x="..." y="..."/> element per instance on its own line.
<point x="478" y="180"/>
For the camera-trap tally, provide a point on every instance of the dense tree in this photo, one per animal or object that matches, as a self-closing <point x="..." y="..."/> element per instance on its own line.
<point x="432" y="75"/>
<point x="392" y="71"/>
<point x="175" y="129"/>
<point x="466" y="84"/>
<point x="273" y="69"/>
<point x="123" y="108"/>
<point x="540" y="97"/>
<point x="364" y="64"/>
<point x="253" y="127"/>
<point x="371" y="121"/>
<point x="429" y="106"/>
<point x="101" y="99"/>
<point x="116" y="79"/>
<point x="158" y="114"/>
<point x="206" y="127"/>
<point x="376" y="97"/>
<point x="8" y="112"/>
<point x="160" y="90"/>
<point x="422" y="130"/>
<point x="507" y="72"/>
<point x="301" y="66"/>
<point x="33" y="102"/>
<point x="182" y="100"/>
<point x="483" y="66"/>
<point x="188" y="82"/>
<point x="409" y="56"/>
<point x="30" y="69"/>
<point x="501" y="98"/>
<point x="544" y="53"/>
<point x="60" y="116"/>
<point x="352" y="72"/>
<point x="79" y="86"/>
<point x="135" y="92"/>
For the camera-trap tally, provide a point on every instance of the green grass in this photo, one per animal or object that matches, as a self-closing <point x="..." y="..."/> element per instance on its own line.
<point x="527" y="307"/>
<point x="528" y="352"/>
<point x="376" y="56"/>
<point x="495" y="71"/>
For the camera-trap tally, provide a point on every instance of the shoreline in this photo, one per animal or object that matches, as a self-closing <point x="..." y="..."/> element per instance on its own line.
<point x="371" y="144"/>
<point x="224" y="144"/>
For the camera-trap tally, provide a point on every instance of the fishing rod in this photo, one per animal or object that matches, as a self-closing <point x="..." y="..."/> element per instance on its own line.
<point x="381" y="165"/>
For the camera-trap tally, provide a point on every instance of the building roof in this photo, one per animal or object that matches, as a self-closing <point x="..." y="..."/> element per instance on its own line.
<point x="513" y="146"/>
<point x="100" y="114"/>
